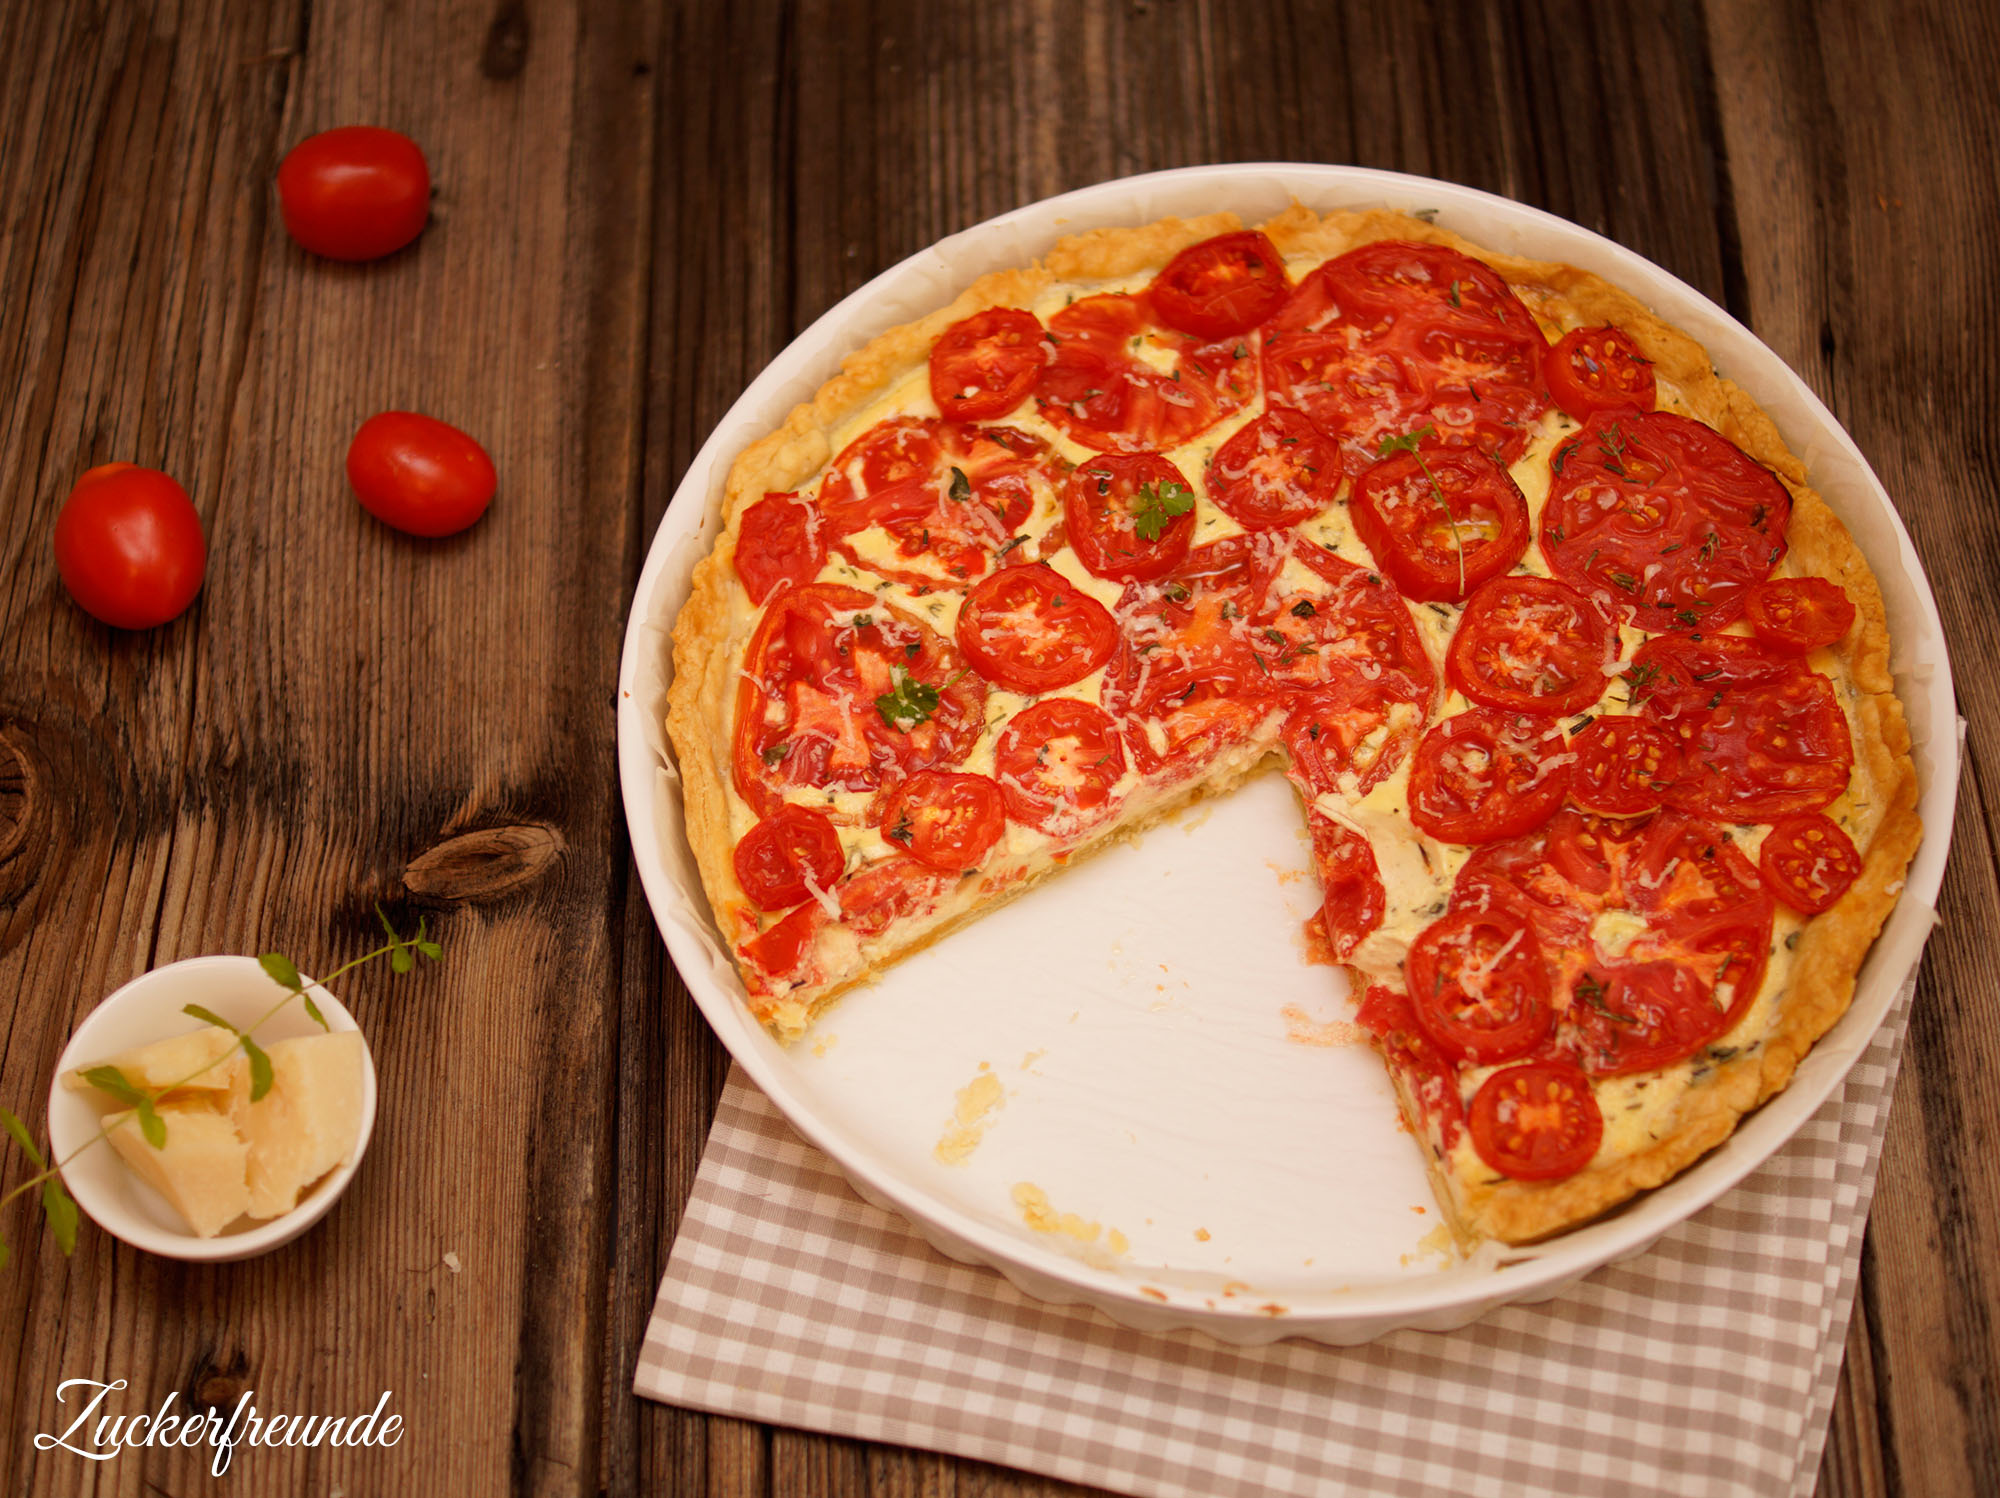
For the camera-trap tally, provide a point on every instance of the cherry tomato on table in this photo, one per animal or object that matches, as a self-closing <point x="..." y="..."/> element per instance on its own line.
<point x="355" y="193"/>
<point x="419" y="474"/>
<point x="129" y="546"/>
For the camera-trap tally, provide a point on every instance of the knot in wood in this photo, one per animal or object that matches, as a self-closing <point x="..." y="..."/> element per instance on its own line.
<point x="485" y="864"/>
<point x="24" y="817"/>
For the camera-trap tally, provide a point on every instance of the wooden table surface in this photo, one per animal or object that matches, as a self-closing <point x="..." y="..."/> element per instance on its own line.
<point x="636" y="208"/>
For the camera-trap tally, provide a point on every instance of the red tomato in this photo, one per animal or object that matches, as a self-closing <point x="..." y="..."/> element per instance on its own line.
<point x="949" y="497"/>
<point x="1677" y="968"/>
<point x="1761" y="735"/>
<point x="1479" y="986"/>
<point x="1430" y="1075"/>
<point x="1624" y="767"/>
<point x="1664" y="519"/>
<point x="129" y="546"/>
<point x="1440" y="524"/>
<point x="1031" y="629"/>
<point x="355" y="193"/>
<point x="778" y="545"/>
<point x="1274" y="472"/>
<point x="418" y="474"/>
<point x="1799" y="614"/>
<point x="943" y="820"/>
<point x="1809" y="862"/>
<point x="985" y="365"/>
<point x="887" y="890"/>
<point x="779" y="952"/>
<point x="1392" y="337"/>
<point x="1057" y="762"/>
<point x="1599" y="369"/>
<point x="1098" y="392"/>
<point x="1536" y="1122"/>
<point x="1351" y="881"/>
<point x="782" y="858"/>
<point x="841" y="691"/>
<point x="1222" y="286"/>
<point x="1482" y="775"/>
<point x="1128" y="517"/>
<point x="1531" y="645"/>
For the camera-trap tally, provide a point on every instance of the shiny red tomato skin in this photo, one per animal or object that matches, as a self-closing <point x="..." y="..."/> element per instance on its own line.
<point x="1396" y="514"/>
<point x="1798" y="615"/>
<point x="1536" y="1122"/>
<point x="779" y="544"/>
<point x="1067" y="793"/>
<point x="1353" y="900"/>
<point x="129" y="546"/>
<point x="1809" y="862"/>
<point x="1503" y="1012"/>
<point x="1221" y="286"/>
<point x="1100" y="516"/>
<point x="1625" y="766"/>
<point x="1099" y="394"/>
<point x="1481" y="775"/>
<point x="944" y="820"/>
<point x="1531" y="645"/>
<point x="776" y="858"/>
<point x="418" y="474"/>
<point x="1031" y="630"/>
<point x="358" y="192"/>
<point x="997" y="354"/>
<point x="1599" y="369"/>
<point x="1274" y="472"/>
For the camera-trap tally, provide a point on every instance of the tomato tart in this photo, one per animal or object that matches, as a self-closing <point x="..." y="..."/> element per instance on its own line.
<point x="1583" y="689"/>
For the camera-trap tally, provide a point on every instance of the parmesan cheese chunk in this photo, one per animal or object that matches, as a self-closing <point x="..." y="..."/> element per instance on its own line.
<point x="174" y="1062"/>
<point x="201" y="1170"/>
<point x="306" y="1124"/>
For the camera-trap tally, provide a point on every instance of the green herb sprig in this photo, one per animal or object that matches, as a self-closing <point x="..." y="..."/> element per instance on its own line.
<point x="59" y="1210"/>
<point x="1158" y="503"/>
<point x="1408" y="443"/>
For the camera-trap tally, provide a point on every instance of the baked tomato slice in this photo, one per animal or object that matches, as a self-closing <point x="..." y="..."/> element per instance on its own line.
<point x="1277" y="471"/>
<point x="943" y="820"/>
<point x="1809" y="862"/>
<point x="1483" y="775"/>
<point x="1030" y="629"/>
<point x="781" y="860"/>
<point x="1656" y="933"/>
<point x="1394" y="337"/>
<point x="1058" y="762"/>
<point x="778" y="545"/>
<point x="1098" y="389"/>
<point x="935" y="504"/>
<point x="1185" y="677"/>
<point x="1536" y="1122"/>
<point x="1665" y="520"/>
<point x="1426" y="1073"/>
<point x="1599" y="369"/>
<point x="1128" y="516"/>
<point x="985" y="365"/>
<point x="1221" y="286"/>
<point x="1479" y="985"/>
<point x="1531" y="645"/>
<point x="1796" y="615"/>
<point x="1761" y="735"/>
<point x="1624" y="766"/>
<point x="1440" y="523"/>
<point x="840" y="691"/>
<point x="1353" y="899"/>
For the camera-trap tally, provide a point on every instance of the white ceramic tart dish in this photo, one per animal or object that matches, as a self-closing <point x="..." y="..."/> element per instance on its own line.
<point x="1127" y="1092"/>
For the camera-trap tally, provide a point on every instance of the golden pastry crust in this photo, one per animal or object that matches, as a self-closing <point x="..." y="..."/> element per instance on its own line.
<point x="1830" y="947"/>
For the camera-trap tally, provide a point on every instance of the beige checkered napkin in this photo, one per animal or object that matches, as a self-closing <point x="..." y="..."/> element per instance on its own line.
<point x="1707" y="1365"/>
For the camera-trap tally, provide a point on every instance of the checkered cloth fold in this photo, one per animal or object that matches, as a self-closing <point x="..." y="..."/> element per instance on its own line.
<point x="1706" y="1365"/>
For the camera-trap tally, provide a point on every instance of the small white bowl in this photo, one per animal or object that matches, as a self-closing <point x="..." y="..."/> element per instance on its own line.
<point x="149" y="1009"/>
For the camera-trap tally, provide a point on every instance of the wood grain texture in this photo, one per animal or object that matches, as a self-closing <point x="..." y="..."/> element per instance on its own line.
<point x="637" y="207"/>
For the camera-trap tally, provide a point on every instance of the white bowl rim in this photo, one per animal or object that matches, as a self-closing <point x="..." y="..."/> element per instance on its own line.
<point x="118" y="1220"/>
<point x="1544" y="1268"/>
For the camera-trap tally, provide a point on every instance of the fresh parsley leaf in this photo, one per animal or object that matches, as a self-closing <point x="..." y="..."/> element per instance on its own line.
<point x="910" y="704"/>
<point x="1157" y="503"/>
<point x="1407" y="443"/>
